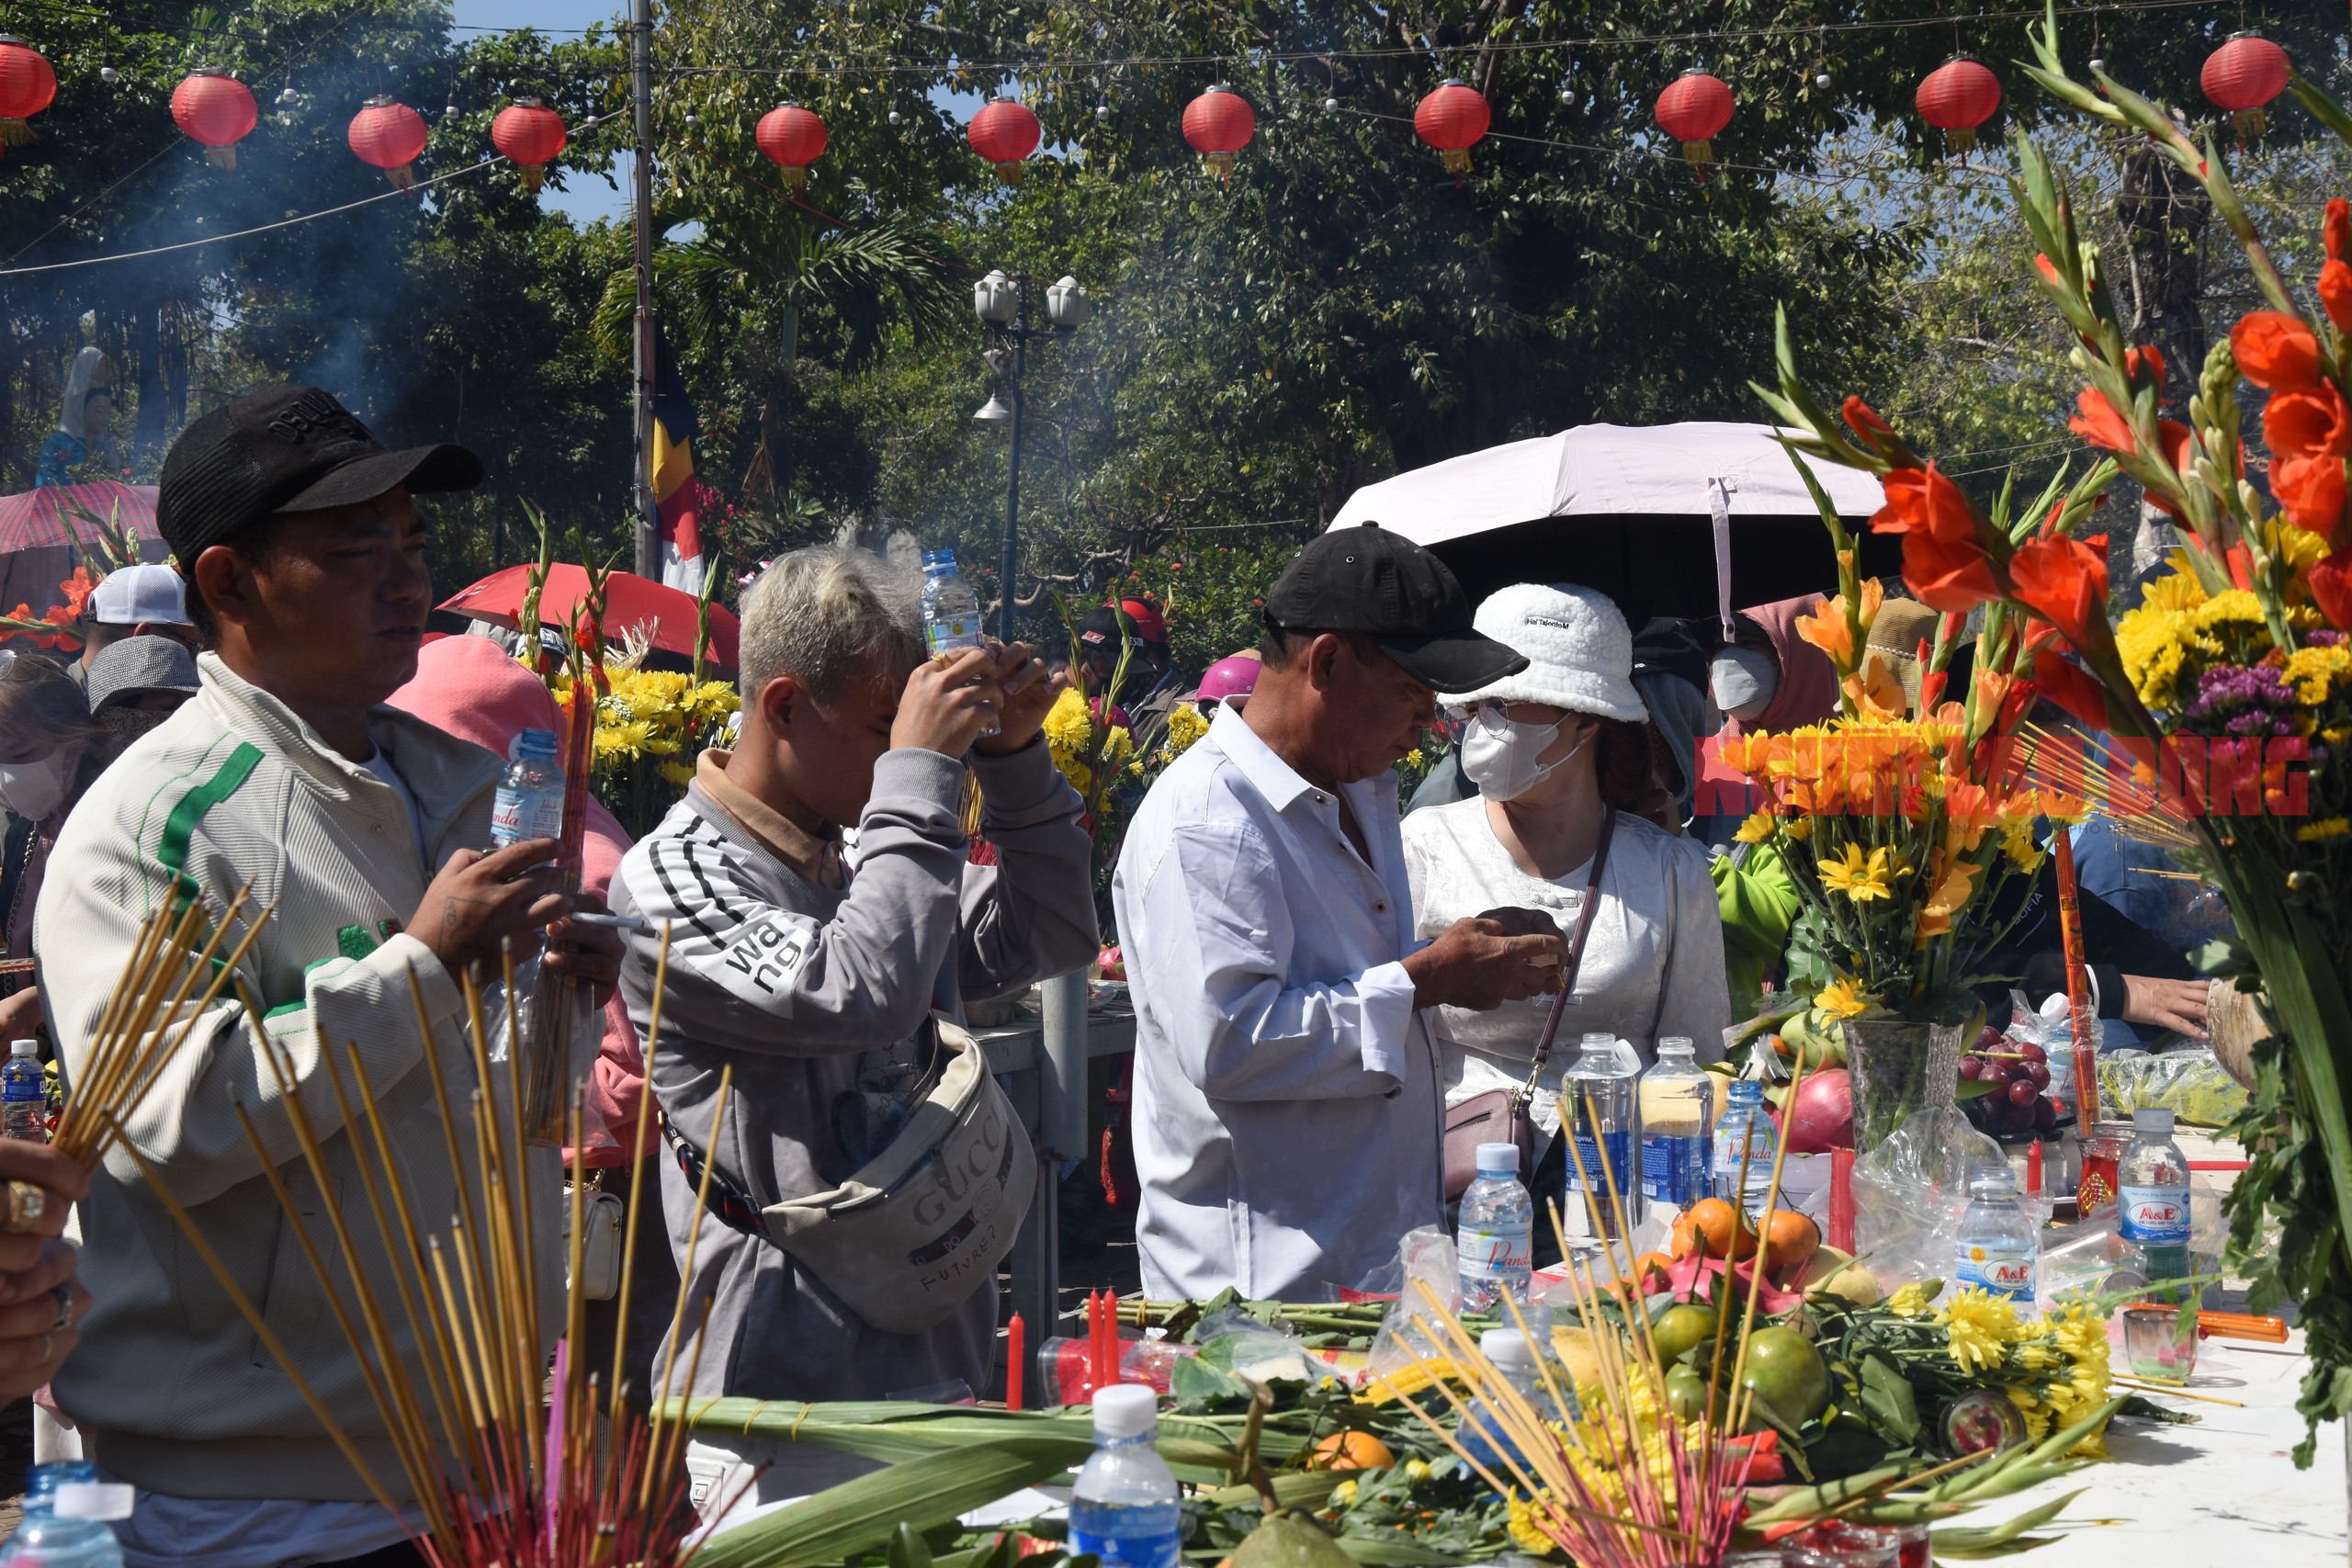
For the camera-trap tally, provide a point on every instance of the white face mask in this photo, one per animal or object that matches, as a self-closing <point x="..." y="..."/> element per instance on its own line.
<point x="1498" y="752"/>
<point x="1743" y="682"/>
<point x="34" y="790"/>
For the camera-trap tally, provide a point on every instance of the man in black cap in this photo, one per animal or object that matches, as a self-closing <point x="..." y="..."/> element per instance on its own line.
<point x="360" y="828"/>
<point x="1287" y="1110"/>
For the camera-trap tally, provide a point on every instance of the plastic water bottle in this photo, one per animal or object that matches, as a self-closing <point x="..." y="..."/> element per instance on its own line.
<point x="1124" y="1508"/>
<point x="1678" y="1105"/>
<point x="2152" y="1191"/>
<point x="1745" y="1127"/>
<point x="530" y="792"/>
<point x="69" y="1528"/>
<point x="1485" y="1437"/>
<point x="1495" y="1242"/>
<point x="951" y="611"/>
<point x="24" y="1094"/>
<point x="1998" y="1251"/>
<point x="1601" y="1109"/>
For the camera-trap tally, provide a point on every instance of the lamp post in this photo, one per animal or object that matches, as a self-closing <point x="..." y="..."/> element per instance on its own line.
<point x="1002" y="308"/>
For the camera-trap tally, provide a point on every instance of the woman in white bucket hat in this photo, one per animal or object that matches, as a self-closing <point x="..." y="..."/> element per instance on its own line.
<point x="1558" y="752"/>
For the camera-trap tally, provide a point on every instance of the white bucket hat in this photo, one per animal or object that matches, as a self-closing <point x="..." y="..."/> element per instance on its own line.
<point x="1580" y="653"/>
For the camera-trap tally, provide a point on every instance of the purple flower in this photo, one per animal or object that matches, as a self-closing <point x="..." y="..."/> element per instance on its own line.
<point x="2235" y="699"/>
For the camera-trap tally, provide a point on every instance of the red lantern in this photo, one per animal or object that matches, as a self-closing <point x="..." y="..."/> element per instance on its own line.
<point x="2241" y="76"/>
<point x="1004" y="133"/>
<point x="214" y="108"/>
<point x="388" y="135"/>
<point x="1218" y="124"/>
<point x="531" y="134"/>
<point x="792" y="138"/>
<point x="1453" y="119"/>
<point x="1958" y="96"/>
<point x="27" y="86"/>
<point x="1692" y="111"/>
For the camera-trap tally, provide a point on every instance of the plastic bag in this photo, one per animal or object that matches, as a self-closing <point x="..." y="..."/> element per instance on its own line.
<point x="1910" y="1192"/>
<point x="2192" y="1083"/>
<point x="548" y="1073"/>
<point x="1425" y="1254"/>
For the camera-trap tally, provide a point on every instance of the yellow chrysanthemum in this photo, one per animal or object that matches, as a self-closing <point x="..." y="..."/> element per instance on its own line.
<point x="1979" y="1327"/>
<point x="2177" y="591"/>
<point x="2017" y="842"/>
<point x="679" y="774"/>
<point x="1800" y="829"/>
<point x="2313" y="671"/>
<point x="1185" y="725"/>
<point x="1756" y="830"/>
<point x="1844" y="1000"/>
<point x="1524" y="1531"/>
<point x="1910" y="1301"/>
<point x="623" y="739"/>
<point x="2324" y="829"/>
<point x="1859" y="878"/>
<point x="1068" y="724"/>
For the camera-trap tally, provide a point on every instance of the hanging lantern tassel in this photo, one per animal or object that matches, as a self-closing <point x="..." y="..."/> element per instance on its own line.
<point x="390" y="136"/>
<point x="2242" y="76"/>
<point x="1692" y="111"/>
<point x="1218" y="124"/>
<point x="1453" y="120"/>
<point x="27" y="86"/>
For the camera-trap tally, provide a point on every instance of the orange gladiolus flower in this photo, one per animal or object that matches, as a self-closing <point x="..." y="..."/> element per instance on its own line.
<point x="2041" y="265"/>
<point x="2309" y="431"/>
<point x="1876" y="690"/>
<point x="1865" y="421"/>
<point x="2276" y="350"/>
<point x="1825" y="628"/>
<point x="2335" y="293"/>
<point x="2336" y="230"/>
<point x="2096" y="421"/>
<point x="2062" y="580"/>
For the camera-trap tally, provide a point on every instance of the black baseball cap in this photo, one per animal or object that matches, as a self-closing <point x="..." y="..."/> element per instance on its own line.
<point x="1371" y="581"/>
<point x="286" y="449"/>
<point x="1108" y="626"/>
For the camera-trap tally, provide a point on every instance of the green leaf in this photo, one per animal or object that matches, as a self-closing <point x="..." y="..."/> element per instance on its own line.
<point x="1993" y="1540"/>
<point x="861" y="1515"/>
<point x="1887" y="1393"/>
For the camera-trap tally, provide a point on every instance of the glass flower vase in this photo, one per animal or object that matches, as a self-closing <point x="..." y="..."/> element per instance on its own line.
<point x="1897" y="1069"/>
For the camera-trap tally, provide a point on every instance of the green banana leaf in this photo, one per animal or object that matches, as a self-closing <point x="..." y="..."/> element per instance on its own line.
<point x="864" y="1514"/>
<point x="893" y="1431"/>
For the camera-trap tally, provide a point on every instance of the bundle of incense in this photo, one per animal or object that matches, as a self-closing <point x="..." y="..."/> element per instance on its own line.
<point x="507" y="1466"/>
<point x="136" y="1032"/>
<point x="2081" y="1021"/>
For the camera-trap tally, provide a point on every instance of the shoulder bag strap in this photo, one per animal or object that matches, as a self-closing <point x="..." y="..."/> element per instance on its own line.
<point x="1574" y="960"/>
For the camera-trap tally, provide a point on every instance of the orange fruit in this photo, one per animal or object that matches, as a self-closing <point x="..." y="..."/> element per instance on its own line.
<point x="1794" y="1239"/>
<point x="1685" y="1235"/>
<point x="1647" y="1261"/>
<point x="1724" y="1228"/>
<point x="1352" y="1450"/>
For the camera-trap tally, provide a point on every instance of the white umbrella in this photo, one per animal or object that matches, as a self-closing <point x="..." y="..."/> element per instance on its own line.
<point x="1636" y="477"/>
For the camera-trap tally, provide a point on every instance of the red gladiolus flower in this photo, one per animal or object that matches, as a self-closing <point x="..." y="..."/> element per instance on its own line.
<point x="2071" y="687"/>
<point x="2310" y="433"/>
<point x="2062" y="580"/>
<point x="2146" y="356"/>
<point x="1948" y="576"/>
<point x="2276" y="350"/>
<point x="2335" y="293"/>
<point x="1944" y="561"/>
<point x="1921" y="501"/>
<point x="2096" y="421"/>
<point x="2331" y="582"/>
<point x="2041" y="265"/>
<point x="2336" y="231"/>
<point x="1864" y="420"/>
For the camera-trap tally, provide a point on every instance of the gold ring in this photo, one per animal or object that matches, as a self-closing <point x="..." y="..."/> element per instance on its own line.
<point x="27" y="1200"/>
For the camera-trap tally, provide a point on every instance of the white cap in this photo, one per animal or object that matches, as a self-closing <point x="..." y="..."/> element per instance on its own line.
<point x="1507" y="1349"/>
<point x="1126" y="1410"/>
<point x="2152" y="1119"/>
<point x="150" y="591"/>
<point x="1499" y="1156"/>
<point x="93" y="1500"/>
<point x="1579" y="652"/>
<point x="24" y="1047"/>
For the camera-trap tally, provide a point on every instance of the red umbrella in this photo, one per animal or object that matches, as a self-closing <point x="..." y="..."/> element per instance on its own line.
<point x="665" y="614"/>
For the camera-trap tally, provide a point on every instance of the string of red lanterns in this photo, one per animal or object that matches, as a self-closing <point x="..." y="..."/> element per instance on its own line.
<point x="217" y="112"/>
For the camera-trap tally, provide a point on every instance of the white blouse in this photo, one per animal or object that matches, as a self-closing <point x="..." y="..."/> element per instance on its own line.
<point x="1652" y="964"/>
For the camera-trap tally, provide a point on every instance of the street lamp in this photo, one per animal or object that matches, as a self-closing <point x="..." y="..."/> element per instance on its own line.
<point x="1001" y="305"/>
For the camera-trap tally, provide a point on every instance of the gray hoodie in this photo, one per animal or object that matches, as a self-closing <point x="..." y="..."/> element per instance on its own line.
<point x="806" y="975"/>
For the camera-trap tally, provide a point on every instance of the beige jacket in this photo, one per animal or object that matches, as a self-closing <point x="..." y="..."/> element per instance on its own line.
<point x="234" y="789"/>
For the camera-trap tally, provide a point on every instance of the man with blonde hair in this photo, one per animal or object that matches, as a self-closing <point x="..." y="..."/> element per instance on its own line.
<point x="813" y="977"/>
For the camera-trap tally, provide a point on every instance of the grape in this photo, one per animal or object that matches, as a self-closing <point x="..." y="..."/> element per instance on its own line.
<point x="2022" y="1093"/>
<point x="2005" y="1072"/>
<point x="1971" y="1068"/>
<point x="1989" y="1039"/>
<point x="2045" y="1114"/>
<point x="2031" y="1052"/>
<point x="2038" y="1073"/>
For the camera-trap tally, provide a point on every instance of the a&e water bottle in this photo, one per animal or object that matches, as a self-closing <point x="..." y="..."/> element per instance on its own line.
<point x="1678" y="1107"/>
<point x="24" y="1094"/>
<point x="1123" y="1507"/>
<point x="1997" y="1250"/>
<point x="1744" y="1135"/>
<point x="1494" y="1242"/>
<point x="529" y="804"/>
<point x="2151" y="1190"/>
<point x="70" y="1527"/>
<point x="1601" y="1109"/>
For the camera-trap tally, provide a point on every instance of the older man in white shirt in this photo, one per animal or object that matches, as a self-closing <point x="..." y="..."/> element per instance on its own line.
<point x="1288" y="1098"/>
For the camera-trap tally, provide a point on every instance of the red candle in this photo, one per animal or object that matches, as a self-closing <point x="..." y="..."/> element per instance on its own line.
<point x="1016" y="1360"/>
<point x="2033" y="1167"/>
<point x="1841" y="1200"/>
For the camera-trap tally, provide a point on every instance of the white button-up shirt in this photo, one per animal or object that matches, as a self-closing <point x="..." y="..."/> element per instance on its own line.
<point x="1288" y="1122"/>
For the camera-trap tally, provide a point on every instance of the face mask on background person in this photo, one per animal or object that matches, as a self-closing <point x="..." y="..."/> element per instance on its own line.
<point x="1742" y="681"/>
<point x="1498" y="752"/>
<point x="34" y="790"/>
